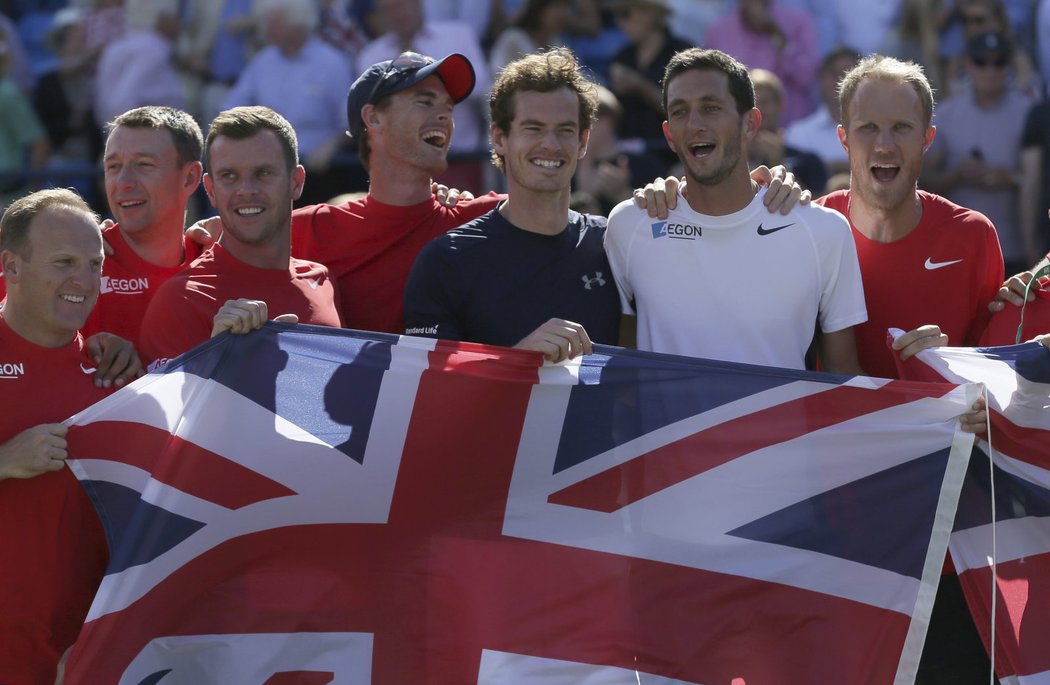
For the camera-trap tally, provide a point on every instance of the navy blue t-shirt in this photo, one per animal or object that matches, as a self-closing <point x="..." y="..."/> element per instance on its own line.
<point x="491" y="282"/>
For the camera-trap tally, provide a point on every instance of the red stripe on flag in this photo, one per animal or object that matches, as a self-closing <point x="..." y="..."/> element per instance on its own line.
<point x="1019" y="442"/>
<point x="680" y="460"/>
<point x="1023" y="622"/>
<point x="175" y="462"/>
<point x="301" y="678"/>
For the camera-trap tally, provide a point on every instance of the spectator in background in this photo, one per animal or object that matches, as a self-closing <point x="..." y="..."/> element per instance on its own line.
<point x="340" y="28"/>
<point x="538" y="26"/>
<point x="914" y="38"/>
<point x="608" y="173"/>
<point x="23" y="141"/>
<point x="137" y="69"/>
<point x="485" y="17"/>
<point x="213" y="48"/>
<point x="976" y="160"/>
<point x="818" y="133"/>
<point x="18" y="67"/>
<point x="1035" y="183"/>
<point x="411" y="30"/>
<point x="978" y="17"/>
<point x="636" y="71"/>
<point x="768" y="146"/>
<point x="300" y="76"/>
<point x="764" y="34"/>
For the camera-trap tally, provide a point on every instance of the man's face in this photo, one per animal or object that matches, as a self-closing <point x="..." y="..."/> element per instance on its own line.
<point x="703" y="127"/>
<point x="886" y="138"/>
<point x="768" y="102"/>
<point x="146" y="186"/>
<point x="415" y="128"/>
<point x="544" y="144"/>
<point x="250" y="185"/>
<point x="56" y="285"/>
<point x="988" y="73"/>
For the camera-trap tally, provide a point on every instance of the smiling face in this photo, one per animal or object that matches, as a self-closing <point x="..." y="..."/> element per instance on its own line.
<point x="886" y="137"/>
<point x="146" y="185"/>
<point x="704" y="128"/>
<point x="544" y="143"/>
<point x="54" y="283"/>
<point x="251" y="186"/>
<point x="414" y="128"/>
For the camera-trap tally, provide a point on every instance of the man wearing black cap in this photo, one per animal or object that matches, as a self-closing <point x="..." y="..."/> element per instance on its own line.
<point x="977" y="159"/>
<point x="400" y="114"/>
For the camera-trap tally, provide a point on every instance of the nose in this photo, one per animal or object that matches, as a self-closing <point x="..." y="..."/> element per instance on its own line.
<point x="884" y="139"/>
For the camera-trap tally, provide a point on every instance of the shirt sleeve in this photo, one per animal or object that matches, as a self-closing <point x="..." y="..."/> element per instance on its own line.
<point x="617" y="247"/>
<point x="842" y="297"/>
<point x="990" y="279"/>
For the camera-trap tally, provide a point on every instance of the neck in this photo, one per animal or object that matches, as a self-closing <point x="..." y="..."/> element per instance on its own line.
<point x="885" y="225"/>
<point x="546" y="213"/>
<point x="273" y="254"/>
<point x="163" y="247"/>
<point x="730" y="196"/>
<point x="22" y="323"/>
<point x="398" y="185"/>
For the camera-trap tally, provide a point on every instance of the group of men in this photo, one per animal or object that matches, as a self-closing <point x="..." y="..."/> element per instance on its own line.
<point x="722" y="276"/>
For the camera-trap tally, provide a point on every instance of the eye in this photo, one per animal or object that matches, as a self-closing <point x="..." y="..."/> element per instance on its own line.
<point x="712" y="109"/>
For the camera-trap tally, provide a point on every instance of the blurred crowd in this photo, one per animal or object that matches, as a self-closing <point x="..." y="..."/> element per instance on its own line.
<point x="69" y="67"/>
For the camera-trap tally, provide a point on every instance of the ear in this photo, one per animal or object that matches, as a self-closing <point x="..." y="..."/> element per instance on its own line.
<point x="10" y="265"/>
<point x="667" y="135"/>
<point x="752" y="122"/>
<point x="192" y="177"/>
<point x="499" y="139"/>
<point x="585" y="139"/>
<point x="843" y="138"/>
<point x="208" y="190"/>
<point x="931" y="133"/>
<point x="370" y="117"/>
<point x="298" y="181"/>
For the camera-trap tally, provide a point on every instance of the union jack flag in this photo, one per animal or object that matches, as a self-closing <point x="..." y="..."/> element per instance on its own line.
<point x="321" y="506"/>
<point x="1014" y="542"/>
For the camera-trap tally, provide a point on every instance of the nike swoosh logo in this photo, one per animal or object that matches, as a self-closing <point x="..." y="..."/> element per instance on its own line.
<point x="314" y="283"/>
<point x="767" y="231"/>
<point x="931" y="265"/>
<point x="86" y="370"/>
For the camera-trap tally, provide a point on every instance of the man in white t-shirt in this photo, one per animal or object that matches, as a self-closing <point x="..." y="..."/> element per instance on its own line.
<point x="733" y="283"/>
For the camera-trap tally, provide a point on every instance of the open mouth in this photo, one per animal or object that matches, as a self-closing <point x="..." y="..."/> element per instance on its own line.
<point x="701" y="149"/>
<point x="75" y="299"/>
<point x="131" y="204"/>
<point x="249" y="211"/>
<point x="884" y="173"/>
<point x="548" y="163"/>
<point x="435" y="138"/>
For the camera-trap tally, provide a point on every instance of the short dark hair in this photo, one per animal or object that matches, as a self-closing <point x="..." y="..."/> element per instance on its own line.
<point x="185" y="133"/>
<point x="14" y="225"/>
<point x="542" y="72"/>
<point x="740" y="86"/>
<point x="241" y="123"/>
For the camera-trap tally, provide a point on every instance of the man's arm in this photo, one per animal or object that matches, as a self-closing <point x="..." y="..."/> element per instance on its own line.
<point x="838" y="352"/>
<point x="244" y="316"/>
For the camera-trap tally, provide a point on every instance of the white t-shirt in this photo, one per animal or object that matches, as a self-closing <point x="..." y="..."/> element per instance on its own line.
<point x="748" y="287"/>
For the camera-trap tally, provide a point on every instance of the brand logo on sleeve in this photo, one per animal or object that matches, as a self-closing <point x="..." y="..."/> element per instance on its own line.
<point x="598" y="280"/>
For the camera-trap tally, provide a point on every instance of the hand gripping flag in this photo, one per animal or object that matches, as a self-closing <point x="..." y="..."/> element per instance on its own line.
<point x="1018" y="539"/>
<point x="319" y="506"/>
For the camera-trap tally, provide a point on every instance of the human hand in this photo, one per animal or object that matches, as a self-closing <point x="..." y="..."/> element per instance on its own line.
<point x="783" y="191"/>
<point x="34" y="451"/>
<point x="244" y="316"/>
<point x="659" y="197"/>
<point x="919" y="339"/>
<point x="449" y="196"/>
<point x="205" y="232"/>
<point x="558" y="340"/>
<point x="116" y="361"/>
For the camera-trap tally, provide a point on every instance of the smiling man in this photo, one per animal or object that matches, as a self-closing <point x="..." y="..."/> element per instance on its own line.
<point x="914" y="247"/>
<point x="532" y="273"/>
<point x="722" y="278"/>
<point x="51" y="542"/>
<point x="253" y="177"/>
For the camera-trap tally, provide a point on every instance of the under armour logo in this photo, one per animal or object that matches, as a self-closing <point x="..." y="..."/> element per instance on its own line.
<point x="588" y="281"/>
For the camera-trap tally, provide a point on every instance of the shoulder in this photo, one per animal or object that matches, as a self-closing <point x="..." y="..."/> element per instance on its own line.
<point x="943" y="213"/>
<point x="822" y="221"/>
<point x="838" y="200"/>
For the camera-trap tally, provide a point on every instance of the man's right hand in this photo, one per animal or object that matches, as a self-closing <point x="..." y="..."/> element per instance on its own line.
<point x="1012" y="292"/>
<point x="558" y="340"/>
<point x="244" y="316"/>
<point x="34" y="451"/>
<point x="205" y="232"/>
